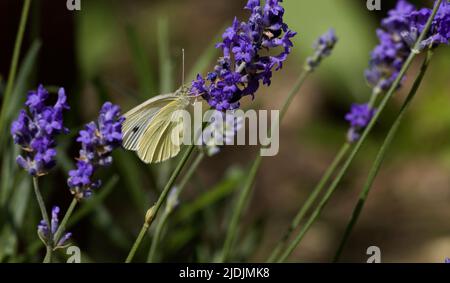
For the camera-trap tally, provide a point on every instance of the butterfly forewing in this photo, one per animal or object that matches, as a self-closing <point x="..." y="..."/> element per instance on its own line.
<point x="156" y="144"/>
<point x="138" y="119"/>
<point x="150" y="127"/>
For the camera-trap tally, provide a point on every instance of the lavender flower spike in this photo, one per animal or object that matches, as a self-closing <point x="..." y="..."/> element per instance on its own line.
<point x="47" y="233"/>
<point x="98" y="140"/>
<point x="323" y="46"/>
<point x="400" y="31"/>
<point x="242" y="68"/>
<point x="359" y="117"/>
<point x="35" y="131"/>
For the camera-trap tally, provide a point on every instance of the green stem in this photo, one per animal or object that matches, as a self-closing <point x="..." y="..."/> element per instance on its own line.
<point x="241" y="204"/>
<point x="309" y="202"/>
<point x="156" y="237"/>
<point x="360" y="142"/>
<point x="316" y="191"/>
<point x="155" y="209"/>
<point x="380" y="157"/>
<point x="137" y="243"/>
<point x="248" y="184"/>
<point x="300" y="81"/>
<point x="63" y="224"/>
<point x="184" y="181"/>
<point x="40" y="201"/>
<point x="13" y="68"/>
<point x="48" y="254"/>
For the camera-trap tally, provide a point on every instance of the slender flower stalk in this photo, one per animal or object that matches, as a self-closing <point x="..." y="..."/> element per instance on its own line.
<point x="240" y="205"/>
<point x="318" y="189"/>
<point x="315" y="193"/>
<point x="323" y="48"/>
<point x="172" y="202"/>
<point x="66" y="218"/>
<point x="47" y="231"/>
<point x="13" y="68"/>
<point x="40" y="201"/>
<point x="250" y="180"/>
<point x="360" y="142"/>
<point x="153" y="211"/>
<point x="380" y="157"/>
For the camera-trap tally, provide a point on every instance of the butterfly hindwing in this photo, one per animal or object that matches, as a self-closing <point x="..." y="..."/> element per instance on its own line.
<point x="150" y="127"/>
<point x="156" y="144"/>
<point x="138" y="119"/>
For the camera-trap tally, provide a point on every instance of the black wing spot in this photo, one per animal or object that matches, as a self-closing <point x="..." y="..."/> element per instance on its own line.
<point x="135" y="129"/>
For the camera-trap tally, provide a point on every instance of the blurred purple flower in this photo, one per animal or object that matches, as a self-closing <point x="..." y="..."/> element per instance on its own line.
<point x="35" y="131"/>
<point x="241" y="69"/>
<point x="47" y="233"/>
<point x="98" y="140"/>
<point x="359" y="117"/>
<point x="400" y="31"/>
<point x="440" y="28"/>
<point x="323" y="46"/>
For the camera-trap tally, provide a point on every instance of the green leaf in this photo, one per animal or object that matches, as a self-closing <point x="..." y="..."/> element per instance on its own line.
<point x="131" y="174"/>
<point x="15" y="210"/>
<point x="103" y="220"/>
<point x="218" y="192"/>
<point x="23" y="78"/>
<point x="166" y="83"/>
<point x="141" y="64"/>
<point x="96" y="36"/>
<point x="96" y="200"/>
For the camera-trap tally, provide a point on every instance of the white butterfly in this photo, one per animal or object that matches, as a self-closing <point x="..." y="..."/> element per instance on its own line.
<point x="149" y="128"/>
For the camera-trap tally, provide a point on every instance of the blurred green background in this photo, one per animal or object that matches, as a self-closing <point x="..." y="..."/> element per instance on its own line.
<point x="127" y="51"/>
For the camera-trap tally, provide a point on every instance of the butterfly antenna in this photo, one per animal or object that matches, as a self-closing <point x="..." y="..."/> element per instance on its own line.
<point x="182" y="79"/>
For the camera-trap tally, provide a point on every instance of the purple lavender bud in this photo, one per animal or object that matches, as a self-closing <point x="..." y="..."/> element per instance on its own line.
<point x="98" y="140"/>
<point x="241" y="69"/>
<point x="359" y="117"/>
<point x="64" y="239"/>
<point x="54" y="221"/>
<point x="35" y="131"/>
<point x="46" y="234"/>
<point x="323" y="46"/>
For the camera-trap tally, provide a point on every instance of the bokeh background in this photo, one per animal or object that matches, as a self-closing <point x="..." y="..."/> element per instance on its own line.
<point x="127" y="51"/>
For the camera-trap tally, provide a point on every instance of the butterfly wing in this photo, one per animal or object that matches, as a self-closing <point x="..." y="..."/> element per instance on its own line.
<point x="138" y="119"/>
<point x="157" y="144"/>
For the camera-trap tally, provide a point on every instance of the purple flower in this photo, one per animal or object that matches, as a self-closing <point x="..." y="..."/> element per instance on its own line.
<point x="440" y="28"/>
<point x="359" y="117"/>
<point x="399" y="33"/>
<point x="242" y="67"/>
<point x="397" y="19"/>
<point x="35" y="131"/>
<point x="447" y="260"/>
<point x="47" y="233"/>
<point x="323" y="46"/>
<point x="98" y="140"/>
